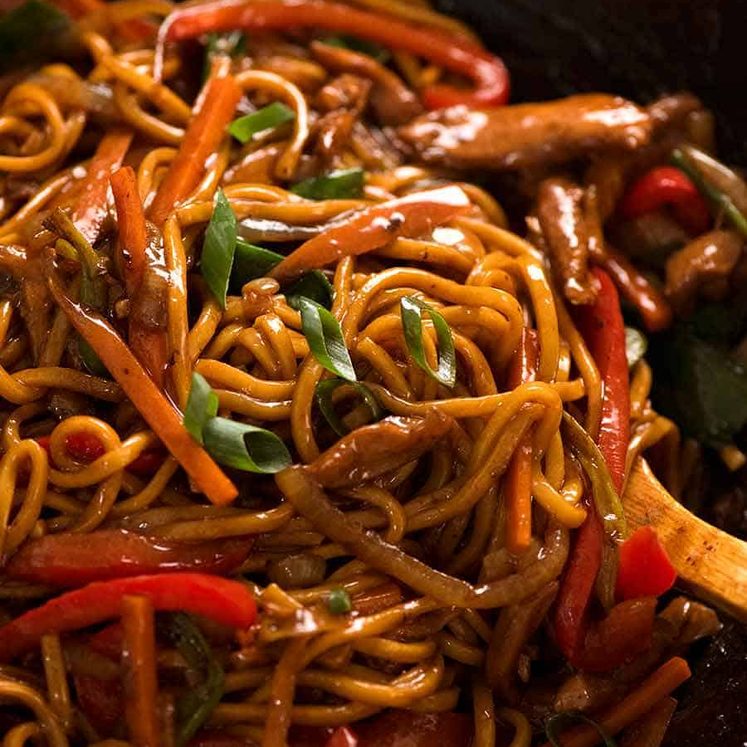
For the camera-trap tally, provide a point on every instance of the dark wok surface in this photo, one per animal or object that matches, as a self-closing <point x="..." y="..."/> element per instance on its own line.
<point x="641" y="48"/>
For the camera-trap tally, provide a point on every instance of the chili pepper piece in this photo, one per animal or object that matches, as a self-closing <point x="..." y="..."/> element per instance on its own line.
<point x="644" y="568"/>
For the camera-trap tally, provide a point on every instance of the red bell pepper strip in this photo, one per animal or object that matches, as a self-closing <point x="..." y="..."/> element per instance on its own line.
<point x="133" y="29"/>
<point x="147" y="463"/>
<point x="216" y="106"/>
<point x="226" y="602"/>
<point x="84" y="447"/>
<point x="456" y="55"/>
<point x="63" y="560"/>
<point x="667" y="186"/>
<point x="144" y="269"/>
<point x="370" y="229"/>
<point x="644" y="568"/>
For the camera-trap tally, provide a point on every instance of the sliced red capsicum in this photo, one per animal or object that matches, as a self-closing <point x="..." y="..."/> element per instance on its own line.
<point x="456" y="55"/>
<point x="63" y="560"/>
<point x="226" y="602"/>
<point x="667" y="186"/>
<point x="644" y="568"/>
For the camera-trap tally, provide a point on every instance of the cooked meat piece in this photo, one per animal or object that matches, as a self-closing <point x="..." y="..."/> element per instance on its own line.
<point x="673" y="110"/>
<point x="704" y="265"/>
<point x="561" y="217"/>
<point x="392" y="101"/>
<point x="514" y="137"/>
<point x="373" y="450"/>
<point x="335" y="129"/>
<point x="344" y="92"/>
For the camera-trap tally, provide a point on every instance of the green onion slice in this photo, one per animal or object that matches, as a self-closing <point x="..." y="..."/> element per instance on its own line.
<point x="268" y="118"/>
<point x="636" y="345"/>
<point x="337" y="185"/>
<point x="198" y="702"/>
<point x="339" y="602"/>
<point x="324" y="398"/>
<point x="560" y="721"/>
<point x="219" y="248"/>
<point x="411" y="312"/>
<point x="245" y="447"/>
<point x="345" y="41"/>
<point x="313" y="285"/>
<point x="716" y="197"/>
<point x="202" y="405"/>
<point x="324" y="335"/>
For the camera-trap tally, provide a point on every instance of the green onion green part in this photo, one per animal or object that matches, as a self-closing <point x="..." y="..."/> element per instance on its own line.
<point x="202" y="405"/>
<point x="411" y="313"/>
<point x="555" y="725"/>
<point x="337" y="185"/>
<point x="219" y="248"/>
<point x="338" y="602"/>
<point x="636" y="345"/>
<point x="245" y="447"/>
<point x="314" y="286"/>
<point x="268" y="118"/>
<point x="720" y="201"/>
<point x="324" y="335"/>
<point x="193" y="708"/>
<point x="325" y="400"/>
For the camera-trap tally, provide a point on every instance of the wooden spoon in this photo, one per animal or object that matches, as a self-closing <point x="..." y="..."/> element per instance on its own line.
<point x="712" y="563"/>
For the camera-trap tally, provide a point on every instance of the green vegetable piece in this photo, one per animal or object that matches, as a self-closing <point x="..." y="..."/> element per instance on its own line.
<point x="345" y="41"/>
<point x="194" y="708"/>
<point x="268" y="118"/>
<point x="202" y="405"/>
<point x="245" y="447"/>
<point x="560" y="721"/>
<point x="219" y="248"/>
<point x="313" y="285"/>
<point x="337" y="185"/>
<point x="34" y="32"/>
<point x="636" y="345"/>
<point x="339" y="602"/>
<point x="324" y="335"/>
<point x="232" y="44"/>
<point x="324" y="398"/>
<point x="411" y="313"/>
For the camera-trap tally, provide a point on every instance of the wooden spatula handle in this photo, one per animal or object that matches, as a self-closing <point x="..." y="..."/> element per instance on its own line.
<point x="710" y="562"/>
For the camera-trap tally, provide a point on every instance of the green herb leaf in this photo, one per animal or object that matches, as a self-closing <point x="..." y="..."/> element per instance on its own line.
<point x="337" y="185"/>
<point x="314" y="286"/>
<point x="345" y="41"/>
<point x="411" y="312"/>
<point x="245" y="447"/>
<point x="202" y="405"/>
<point x="34" y="32"/>
<point x="219" y="248"/>
<point x="268" y="118"/>
<point x="636" y="345"/>
<point x="198" y="702"/>
<point x="560" y="721"/>
<point x="339" y="602"/>
<point x="324" y="335"/>
<point x="324" y="397"/>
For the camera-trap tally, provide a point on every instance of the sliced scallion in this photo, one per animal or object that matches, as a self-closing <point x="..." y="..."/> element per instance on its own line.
<point x="339" y="602"/>
<point x="268" y="118"/>
<point x="324" y="335"/>
<point x="560" y="721"/>
<point x="202" y="405"/>
<point x="411" y="313"/>
<point x="636" y="345"/>
<point x="324" y="398"/>
<point x="219" y="248"/>
<point x="313" y="285"/>
<point x="245" y="447"/>
<point x="337" y="185"/>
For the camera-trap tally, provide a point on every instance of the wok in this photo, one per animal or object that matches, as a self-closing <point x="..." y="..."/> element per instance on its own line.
<point x="641" y="48"/>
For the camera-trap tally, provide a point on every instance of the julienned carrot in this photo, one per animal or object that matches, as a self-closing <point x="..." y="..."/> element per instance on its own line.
<point x="157" y="411"/>
<point x="89" y="204"/>
<point x="518" y="490"/>
<point x="143" y="279"/>
<point x="216" y="107"/>
<point x="656" y="686"/>
<point x="411" y="216"/>
<point x="139" y="662"/>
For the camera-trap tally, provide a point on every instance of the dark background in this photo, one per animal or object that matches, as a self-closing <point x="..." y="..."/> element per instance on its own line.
<point x="641" y="48"/>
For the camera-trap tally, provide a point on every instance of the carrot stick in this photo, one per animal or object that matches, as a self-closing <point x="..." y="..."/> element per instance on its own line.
<point x="656" y="686"/>
<point x="140" y="678"/>
<point x="650" y="730"/>
<point x="157" y="411"/>
<point x="89" y="200"/>
<point x="518" y="490"/>
<point x="215" y="109"/>
<point x="142" y="278"/>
